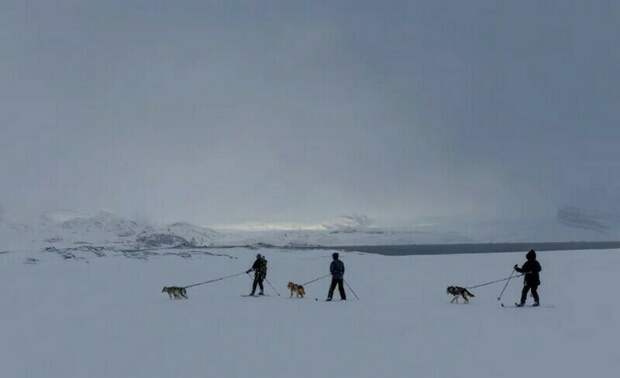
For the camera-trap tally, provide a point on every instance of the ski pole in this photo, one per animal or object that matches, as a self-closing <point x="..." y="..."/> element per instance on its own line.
<point x="274" y="289"/>
<point x="495" y="281"/>
<point x="214" y="280"/>
<point x="316" y="279"/>
<point x="499" y="298"/>
<point x="350" y="288"/>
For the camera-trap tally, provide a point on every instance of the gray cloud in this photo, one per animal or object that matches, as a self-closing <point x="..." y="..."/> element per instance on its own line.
<point x="216" y="112"/>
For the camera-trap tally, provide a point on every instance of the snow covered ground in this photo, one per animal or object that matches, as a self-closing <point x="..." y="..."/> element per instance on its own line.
<point x="106" y="317"/>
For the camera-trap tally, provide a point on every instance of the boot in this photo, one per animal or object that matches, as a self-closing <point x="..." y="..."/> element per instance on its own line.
<point x="536" y="304"/>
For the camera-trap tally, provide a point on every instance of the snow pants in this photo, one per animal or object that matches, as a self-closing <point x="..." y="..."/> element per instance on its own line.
<point x="258" y="281"/>
<point x="340" y="283"/>
<point x="527" y="288"/>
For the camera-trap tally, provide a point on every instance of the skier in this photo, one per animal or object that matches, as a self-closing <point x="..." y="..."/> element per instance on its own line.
<point x="336" y="268"/>
<point x="531" y="268"/>
<point x="260" y="273"/>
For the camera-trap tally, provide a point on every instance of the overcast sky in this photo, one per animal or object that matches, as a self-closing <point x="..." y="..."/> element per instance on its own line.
<point x="227" y="112"/>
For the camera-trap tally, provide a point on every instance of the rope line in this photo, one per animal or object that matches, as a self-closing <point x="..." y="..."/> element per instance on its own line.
<point x="495" y="281"/>
<point x="214" y="280"/>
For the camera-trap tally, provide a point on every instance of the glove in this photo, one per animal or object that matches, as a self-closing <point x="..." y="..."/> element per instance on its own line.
<point x="248" y="271"/>
<point x="516" y="267"/>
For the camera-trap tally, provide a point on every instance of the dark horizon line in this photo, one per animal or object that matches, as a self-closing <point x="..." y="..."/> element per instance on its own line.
<point x="469" y="248"/>
<point x="437" y="248"/>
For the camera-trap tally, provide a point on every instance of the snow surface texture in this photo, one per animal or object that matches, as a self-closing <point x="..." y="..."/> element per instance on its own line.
<point x="107" y="317"/>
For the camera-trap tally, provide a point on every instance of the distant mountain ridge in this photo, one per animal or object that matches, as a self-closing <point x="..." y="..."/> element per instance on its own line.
<point x="587" y="219"/>
<point x="103" y="228"/>
<point x="67" y="229"/>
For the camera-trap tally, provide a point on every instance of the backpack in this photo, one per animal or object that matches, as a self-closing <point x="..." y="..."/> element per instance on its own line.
<point x="262" y="266"/>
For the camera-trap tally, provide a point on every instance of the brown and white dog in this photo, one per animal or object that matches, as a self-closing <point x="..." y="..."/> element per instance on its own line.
<point x="296" y="289"/>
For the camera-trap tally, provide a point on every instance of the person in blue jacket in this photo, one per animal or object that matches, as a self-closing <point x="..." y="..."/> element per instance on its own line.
<point x="260" y="273"/>
<point x="336" y="268"/>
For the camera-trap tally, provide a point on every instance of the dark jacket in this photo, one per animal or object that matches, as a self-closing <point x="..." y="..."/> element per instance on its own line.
<point x="336" y="268"/>
<point x="531" y="268"/>
<point x="260" y="267"/>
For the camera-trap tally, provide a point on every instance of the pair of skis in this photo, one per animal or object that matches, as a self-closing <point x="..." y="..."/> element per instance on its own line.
<point x="516" y="305"/>
<point x="307" y="298"/>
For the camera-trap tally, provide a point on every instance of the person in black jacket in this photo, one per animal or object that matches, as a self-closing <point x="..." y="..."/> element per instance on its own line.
<point x="531" y="270"/>
<point x="260" y="273"/>
<point x="336" y="268"/>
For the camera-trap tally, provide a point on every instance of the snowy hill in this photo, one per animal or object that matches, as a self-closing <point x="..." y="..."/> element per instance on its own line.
<point x="101" y="224"/>
<point x="590" y="220"/>
<point x="103" y="229"/>
<point x="108" y="318"/>
<point x="180" y="233"/>
<point x="67" y="230"/>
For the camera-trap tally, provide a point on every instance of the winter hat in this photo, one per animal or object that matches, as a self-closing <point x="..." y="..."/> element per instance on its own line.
<point x="531" y="255"/>
<point x="335" y="255"/>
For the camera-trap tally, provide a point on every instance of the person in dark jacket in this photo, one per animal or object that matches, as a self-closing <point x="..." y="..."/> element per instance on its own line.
<point x="531" y="270"/>
<point x="336" y="268"/>
<point x="260" y="273"/>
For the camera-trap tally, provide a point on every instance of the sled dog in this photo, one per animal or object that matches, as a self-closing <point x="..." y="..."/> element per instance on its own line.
<point x="296" y="289"/>
<point x="457" y="292"/>
<point x="175" y="292"/>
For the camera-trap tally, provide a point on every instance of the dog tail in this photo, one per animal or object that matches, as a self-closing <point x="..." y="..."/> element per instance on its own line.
<point x="469" y="293"/>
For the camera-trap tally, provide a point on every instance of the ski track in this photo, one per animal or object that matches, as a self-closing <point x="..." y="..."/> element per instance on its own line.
<point x="108" y="318"/>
